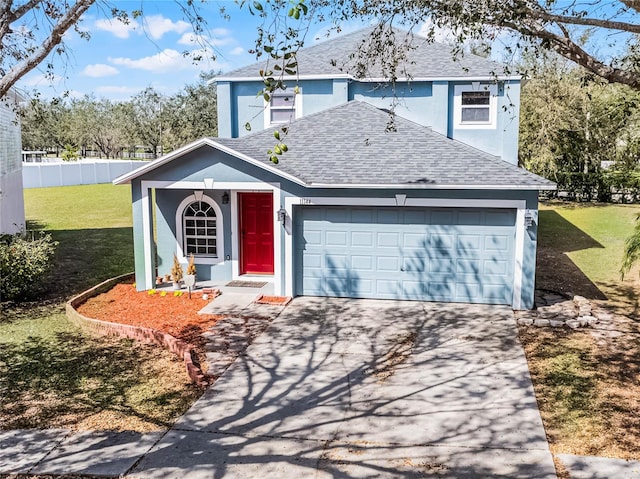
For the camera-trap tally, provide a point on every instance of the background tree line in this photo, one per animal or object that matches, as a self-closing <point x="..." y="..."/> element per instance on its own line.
<point x="148" y="122"/>
<point x="579" y="130"/>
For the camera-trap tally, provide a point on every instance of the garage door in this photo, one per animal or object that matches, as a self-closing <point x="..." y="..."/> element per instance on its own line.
<point x="430" y="254"/>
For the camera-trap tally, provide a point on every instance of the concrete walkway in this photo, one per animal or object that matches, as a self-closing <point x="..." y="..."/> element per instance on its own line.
<point x="342" y="389"/>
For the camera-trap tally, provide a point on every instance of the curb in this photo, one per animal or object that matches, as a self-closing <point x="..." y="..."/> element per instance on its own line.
<point x="145" y="335"/>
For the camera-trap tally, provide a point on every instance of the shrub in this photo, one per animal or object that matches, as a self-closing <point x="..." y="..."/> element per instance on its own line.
<point x="25" y="261"/>
<point x="176" y="270"/>
<point x="70" y="153"/>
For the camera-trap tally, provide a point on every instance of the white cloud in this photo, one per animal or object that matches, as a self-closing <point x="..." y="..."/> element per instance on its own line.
<point x="191" y="39"/>
<point x="116" y="27"/>
<point x="99" y="70"/>
<point x="158" y="25"/>
<point x="165" y="61"/>
<point x="216" y="38"/>
<point x="238" y="51"/>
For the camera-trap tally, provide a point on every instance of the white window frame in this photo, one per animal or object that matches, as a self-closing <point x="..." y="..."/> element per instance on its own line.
<point x="297" y="107"/>
<point x="457" y="106"/>
<point x="200" y="259"/>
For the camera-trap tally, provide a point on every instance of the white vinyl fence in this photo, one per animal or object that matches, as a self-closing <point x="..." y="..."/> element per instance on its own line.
<point x="82" y="172"/>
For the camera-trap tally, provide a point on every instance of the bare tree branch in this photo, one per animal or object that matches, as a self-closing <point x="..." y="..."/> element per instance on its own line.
<point x="64" y="23"/>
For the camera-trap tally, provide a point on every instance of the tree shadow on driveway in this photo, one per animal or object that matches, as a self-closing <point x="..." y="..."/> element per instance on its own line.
<point x="364" y="388"/>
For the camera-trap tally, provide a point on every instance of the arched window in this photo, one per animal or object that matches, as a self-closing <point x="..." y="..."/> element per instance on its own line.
<point x="200" y="229"/>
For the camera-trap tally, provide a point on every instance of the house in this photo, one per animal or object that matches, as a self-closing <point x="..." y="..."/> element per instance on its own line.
<point x="11" y="197"/>
<point x="433" y="209"/>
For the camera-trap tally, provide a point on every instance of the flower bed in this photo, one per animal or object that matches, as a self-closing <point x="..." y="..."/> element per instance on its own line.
<point x="116" y="308"/>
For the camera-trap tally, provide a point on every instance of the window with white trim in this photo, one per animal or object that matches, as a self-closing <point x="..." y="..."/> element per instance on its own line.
<point x="475" y="106"/>
<point x="200" y="230"/>
<point x="283" y="107"/>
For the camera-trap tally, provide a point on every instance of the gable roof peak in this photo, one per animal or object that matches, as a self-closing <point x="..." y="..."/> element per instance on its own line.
<point x="358" y="55"/>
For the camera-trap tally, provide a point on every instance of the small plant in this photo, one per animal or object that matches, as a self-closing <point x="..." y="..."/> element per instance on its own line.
<point x="163" y="294"/>
<point x="176" y="270"/>
<point x="70" y="153"/>
<point x="191" y="267"/>
<point x="177" y="293"/>
<point x="151" y="292"/>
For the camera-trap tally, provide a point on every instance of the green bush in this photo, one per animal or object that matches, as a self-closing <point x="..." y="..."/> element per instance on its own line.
<point x="25" y="261"/>
<point x="70" y="153"/>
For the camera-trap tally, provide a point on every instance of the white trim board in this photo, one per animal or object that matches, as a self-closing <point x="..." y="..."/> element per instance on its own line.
<point x="518" y="205"/>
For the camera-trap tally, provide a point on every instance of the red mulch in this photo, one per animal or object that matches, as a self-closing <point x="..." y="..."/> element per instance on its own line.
<point x="176" y="315"/>
<point x="275" y="300"/>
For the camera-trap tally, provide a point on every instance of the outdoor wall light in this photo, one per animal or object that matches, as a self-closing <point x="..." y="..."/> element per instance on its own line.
<point x="528" y="219"/>
<point x="282" y="215"/>
<point x="225" y="198"/>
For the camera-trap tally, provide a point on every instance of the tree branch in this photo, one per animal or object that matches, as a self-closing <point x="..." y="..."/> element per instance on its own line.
<point x="587" y="21"/>
<point x="55" y="37"/>
<point x="572" y="51"/>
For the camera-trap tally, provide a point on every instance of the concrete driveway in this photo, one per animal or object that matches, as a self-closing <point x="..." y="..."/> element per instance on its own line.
<point x="360" y="389"/>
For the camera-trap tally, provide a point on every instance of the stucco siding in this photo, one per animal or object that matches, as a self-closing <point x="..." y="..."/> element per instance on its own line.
<point x="167" y="202"/>
<point x="501" y="140"/>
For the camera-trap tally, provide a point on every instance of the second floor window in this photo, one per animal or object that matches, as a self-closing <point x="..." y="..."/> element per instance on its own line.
<point x="476" y="107"/>
<point x="283" y="108"/>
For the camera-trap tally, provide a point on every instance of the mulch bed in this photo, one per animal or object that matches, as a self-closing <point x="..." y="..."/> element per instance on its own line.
<point x="176" y="315"/>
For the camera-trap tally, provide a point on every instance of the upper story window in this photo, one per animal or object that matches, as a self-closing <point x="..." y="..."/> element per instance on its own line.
<point x="475" y="106"/>
<point x="283" y="107"/>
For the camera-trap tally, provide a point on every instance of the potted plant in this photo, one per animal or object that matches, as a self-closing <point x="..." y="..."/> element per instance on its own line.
<point x="176" y="273"/>
<point x="190" y="277"/>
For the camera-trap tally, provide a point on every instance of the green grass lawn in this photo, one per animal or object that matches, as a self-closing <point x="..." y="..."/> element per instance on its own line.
<point x="54" y="375"/>
<point x="92" y="223"/>
<point x="586" y="381"/>
<point x="592" y="237"/>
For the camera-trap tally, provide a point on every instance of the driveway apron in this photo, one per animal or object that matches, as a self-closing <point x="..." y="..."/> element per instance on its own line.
<point x="343" y="388"/>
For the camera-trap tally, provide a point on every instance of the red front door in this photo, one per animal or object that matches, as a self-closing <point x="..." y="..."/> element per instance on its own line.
<point x="256" y="233"/>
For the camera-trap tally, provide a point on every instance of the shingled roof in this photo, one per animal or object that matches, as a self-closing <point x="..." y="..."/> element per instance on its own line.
<point x="349" y="146"/>
<point x="424" y="59"/>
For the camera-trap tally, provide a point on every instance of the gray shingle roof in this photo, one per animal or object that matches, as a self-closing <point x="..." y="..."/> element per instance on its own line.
<point x="423" y="59"/>
<point x="348" y="145"/>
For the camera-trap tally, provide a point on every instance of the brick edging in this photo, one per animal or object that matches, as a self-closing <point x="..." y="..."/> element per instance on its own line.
<point x="145" y="335"/>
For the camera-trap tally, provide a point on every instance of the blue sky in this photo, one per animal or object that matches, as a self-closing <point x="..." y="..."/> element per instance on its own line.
<point x="120" y="60"/>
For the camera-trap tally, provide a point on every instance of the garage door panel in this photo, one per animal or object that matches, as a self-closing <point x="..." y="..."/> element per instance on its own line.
<point x="405" y="253"/>
<point x="496" y="243"/>
<point x="441" y="243"/>
<point x="362" y="239"/>
<point x="441" y="265"/>
<point x="387" y="264"/>
<point x="495" y="267"/>
<point x="468" y="292"/>
<point x="312" y="237"/>
<point x="441" y="291"/>
<point x="468" y="243"/>
<point x="336" y="238"/>
<point x="414" y="264"/>
<point x="388" y="240"/>
<point x="500" y="218"/>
